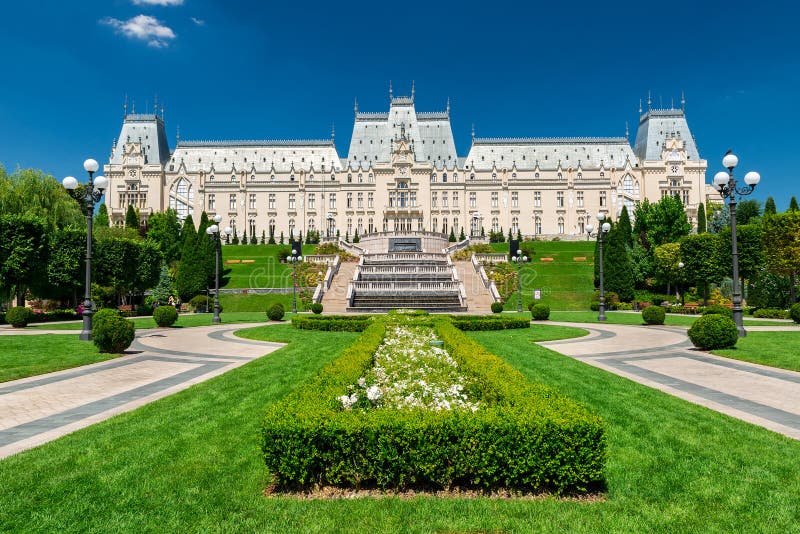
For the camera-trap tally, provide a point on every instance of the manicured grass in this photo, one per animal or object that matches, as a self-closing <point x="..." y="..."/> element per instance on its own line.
<point x="185" y="320"/>
<point x="776" y="349"/>
<point x="257" y="303"/>
<point x="190" y="462"/>
<point x="265" y="271"/>
<point x="613" y="317"/>
<point x="34" y="355"/>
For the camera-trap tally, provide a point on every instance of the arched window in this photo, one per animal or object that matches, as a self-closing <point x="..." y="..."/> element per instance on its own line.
<point x="271" y="226"/>
<point x="181" y="198"/>
<point x="514" y="225"/>
<point x="444" y="177"/>
<point x="561" y="225"/>
<point x="495" y="224"/>
<point x="291" y="227"/>
<point x="538" y="225"/>
<point x="311" y="226"/>
<point x="627" y="184"/>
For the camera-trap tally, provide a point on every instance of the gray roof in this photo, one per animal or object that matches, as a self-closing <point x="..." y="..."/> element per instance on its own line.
<point x="148" y="129"/>
<point x="548" y="152"/>
<point x="657" y="125"/>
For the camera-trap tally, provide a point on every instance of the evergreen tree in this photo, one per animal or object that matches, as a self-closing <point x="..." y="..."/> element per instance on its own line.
<point x="244" y="237"/>
<point x="510" y="236"/>
<point x="748" y="211"/>
<point x="461" y="236"/>
<point x="227" y="239"/>
<point x="452" y="237"/>
<point x="300" y="237"/>
<point x="625" y="229"/>
<point x="187" y="231"/>
<point x="291" y="235"/>
<point x="793" y="205"/>
<point x="640" y="226"/>
<point x="617" y="268"/>
<point x="263" y="237"/>
<point x="356" y="239"/>
<point x="101" y="219"/>
<point x="281" y="240"/>
<point x="701" y="218"/>
<point x="204" y="223"/>
<point x="192" y="278"/>
<point x="519" y="235"/>
<point x="131" y="220"/>
<point x="271" y="235"/>
<point x="235" y="240"/>
<point x="163" y="289"/>
<point x="501" y="237"/>
<point x="769" y="207"/>
<point x="165" y="229"/>
<point x="347" y="236"/>
<point x="206" y="251"/>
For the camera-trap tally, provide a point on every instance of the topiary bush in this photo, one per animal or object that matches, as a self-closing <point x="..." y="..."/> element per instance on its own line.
<point x="497" y="307"/>
<point x="275" y="312"/>
<point x="113" y="334"/>
<point x="165" y="315"/>
<point x="540" y="312"/>
<point x="102" y="314"/>
<point x="201" y="304"/>
<point x="316" y="308"/>
<point x="713" y="332"/>
<point x="653" y="315"/>
<point x="19" y="316"/>
<point x="718" y="309"/>
<point x="794" y="313"/>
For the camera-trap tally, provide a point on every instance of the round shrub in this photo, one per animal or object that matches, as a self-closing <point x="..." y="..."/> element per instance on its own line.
<point x="316" y="308"/>
<point x="275" y="312"/>
<point x="718" y="309"/>
<point x="165" y="315"/>
<point x="540" y="312"/>
<point x="653" y="315"/>
<point x="497" y="307"/>
<point x="113" y="334"/>
<point x="714" y="332"/>
<point x="18" y="316"/>
<point x="102" y="314"/>
<point x="794" y="313"/>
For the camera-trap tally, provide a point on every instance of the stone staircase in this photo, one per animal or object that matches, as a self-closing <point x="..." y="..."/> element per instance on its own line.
<point x="335" y="298"/>
<point x="478" y="298"/>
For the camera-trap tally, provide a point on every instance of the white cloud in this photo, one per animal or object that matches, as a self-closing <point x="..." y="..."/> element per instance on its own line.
<point x="144" y="28"/>
<point x="158" y="2"/>
<point x="199" y="22"/>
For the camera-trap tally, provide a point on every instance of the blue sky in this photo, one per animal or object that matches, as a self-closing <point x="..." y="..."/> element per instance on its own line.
<point x="244" y="70"/>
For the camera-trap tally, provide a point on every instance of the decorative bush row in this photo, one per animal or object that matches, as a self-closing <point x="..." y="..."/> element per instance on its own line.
<point x="333" y="323"/>
<point x="771" y="313"/>
<point x="488" y="322"/>
<point x="718" y="309"/>
<point x="523" y="437"/>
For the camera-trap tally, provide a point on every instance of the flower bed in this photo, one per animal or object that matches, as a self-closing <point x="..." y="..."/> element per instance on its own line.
<point x="521" y="436"/>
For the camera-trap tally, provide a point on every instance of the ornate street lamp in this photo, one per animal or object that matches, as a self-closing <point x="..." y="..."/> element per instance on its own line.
<point x="725" y="183"/>
<point x="520" y="259"/>
<point x="601" y="232"/>
<point x="681" y="265"/>
<point x="294" y="258"/>
<point x="91" y="194"/>
<point x="213" y="231"/>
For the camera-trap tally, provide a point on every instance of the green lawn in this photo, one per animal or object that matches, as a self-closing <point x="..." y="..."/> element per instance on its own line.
<point x="190" y="462"/>
<point x="266" y="271"/>
<point x="23" y="356"/>
<point x="776" y="349"/>
<point x="613" y="317"/>
<point x="185" y="320"/>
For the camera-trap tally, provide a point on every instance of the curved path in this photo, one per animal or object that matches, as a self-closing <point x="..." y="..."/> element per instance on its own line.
<point x="160" y="362"/>
<point x="663" y="358"/>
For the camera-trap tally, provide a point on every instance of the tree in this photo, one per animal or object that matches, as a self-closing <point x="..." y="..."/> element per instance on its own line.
<point x="148" y="265"/>
<point x="701" y="218"/>
<point x="205" y="250"/>
<point x="641" y="264"/>
<point x="254" y="239"/>
<point x="191" y="278"/>
<point x="618" y="274"/>
<point x="781" y="238"/>
<point x="163" y="288"/>
<point x="641" y="216"/>
<point x="244" y="237"/>
<point x="750" y="248"/>
<point x="23" y="253"/>
<point x="66" y="265"/>
<point x="747" y="210"/>
<point x="356" y="239"/>
<point x="666" y="259"/>
<point x="461" y="236"/>
<point x="101" y="218"/>
<point x="271" y="235"/>
<point x="719" y="219"/>
<point x="115" y="264"/>
<point x="793" y="204"/>
<point x="34" y="193"/>
<point x="131" y="219"/>
<point x="769" y="207"/>
<point x="510" y="235"/>
<point x="624" y="224"/>
<point x="264" y="237"/>
<point x="165" y="229"/>
<point x="235" y="240"/>
<point x="452" y="237"/>
<point x="667" y="221"/>
<point x="282" y="240"/>
<point x="188" y="232"/>
<point x="701" y="257"/>
<point x="519" y="234"/>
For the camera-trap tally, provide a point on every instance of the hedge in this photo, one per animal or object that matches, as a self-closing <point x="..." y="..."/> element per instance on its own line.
<point x="540" y="312"/>
<point x="113" y="334"/>
<point x="275" y="312"/>
<point x="771" y="313"/>
<point x="794" y="313"/>
<point x="332" y="323"/>
<point x="19" y="316"/>
<point x="718" y="309"/>
<point x="488" y="322"/>
<point x="525" y="436"/>
<point x="165" y="315"/>
<point x="497" y="307"/>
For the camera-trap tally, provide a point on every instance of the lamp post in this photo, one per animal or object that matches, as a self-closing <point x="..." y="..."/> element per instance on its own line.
<point x="213" y="231"/>
<point x="520" y="259"/>
<point x="601" y="232"/>
<point x="725" y="183"/>
<point x="91" y="194"/>
<point x="294" y="258"/>
<point x="681" y="265"/>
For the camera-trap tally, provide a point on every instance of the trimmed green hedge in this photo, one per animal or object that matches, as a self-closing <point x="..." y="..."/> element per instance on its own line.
<point x="653" y="315"/>
<point x="165" y="315"/>
<point x="540" y="312"/>
<point x="524" y="436"/>
<point x="332" y="323"/>
<point x="718" y="309"/>
<point x="488" y="322"/>
<point x="771" y="313"/>
<point x="19" y="316"/>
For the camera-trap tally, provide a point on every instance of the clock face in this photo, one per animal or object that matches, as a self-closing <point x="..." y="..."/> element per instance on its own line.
<point x="674" y="169"/>
<point x="132" y="173"/>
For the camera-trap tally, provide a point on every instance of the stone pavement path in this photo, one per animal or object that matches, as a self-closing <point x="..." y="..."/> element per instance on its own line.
<point x="663" y="358"/>
<point x="160" y="362"/>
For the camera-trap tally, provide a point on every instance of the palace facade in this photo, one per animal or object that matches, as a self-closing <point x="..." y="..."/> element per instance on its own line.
<point x="402" y="172"/>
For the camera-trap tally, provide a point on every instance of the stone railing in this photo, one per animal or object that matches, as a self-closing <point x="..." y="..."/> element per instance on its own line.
<point x="488" y="284"/>
<point x="406" y="256"/>
<point x="404" y="269"/>
<point x="491" y="258"/>
<point x="351" y="248"/>
<point x="456" y="247"/>
<point x="384" y="287"/>
<point x="333" y="261"/>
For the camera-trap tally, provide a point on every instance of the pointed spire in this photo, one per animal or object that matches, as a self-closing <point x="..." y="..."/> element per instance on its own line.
<point x="473" y="132"/>
<point x="412" y="91"/>
<point x="178" y="136"/>
<point x="649" y="100"/>
<point x="683" y="101"/>
<point x="125" y="106"/>
<point x="390" y="90"/>
<point x="155" y="105"/>
<point x="640" y="106"/>
<point x="627" y="132"/>
<point x="162" y="111"/>
<point x="355" y="106"/>
<point x="448" y="105"/>
<point x="133" y="110"/>
<point x="333" y="132"/>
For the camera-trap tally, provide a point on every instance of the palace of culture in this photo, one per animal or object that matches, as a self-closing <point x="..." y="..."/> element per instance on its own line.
<point x="402" y="173"/>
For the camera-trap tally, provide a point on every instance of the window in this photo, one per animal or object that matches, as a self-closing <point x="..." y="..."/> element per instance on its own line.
<point x="434" y="201"/>
<point x="370" y="202"/>
<point x="627" y="184"/>
<point x="435" y="226"/>
<point x="560" y="176"/>
<point x="233" y="177"/>
<point x="413" y="198"/>
<point x="444" y="225"/>
<point x="561" y="225"/>
<point x="580" y="199"/>
<point x="494" y="176"/>
<point x="371" y="177"/>
<point x="513" y="175"/>
<point x="602" y="198"/>
<point x="349" y="178"/>
<point x="252" y="201"/>
<point x="538" y="225"/>
<point x="272" y="201"/>
<point x="455" y="198"/>
<point x="232" y="205"/>
<point x="402" y="199"/>
<point x="495" y="224"/>
<point x="537" y="199"/>
<point x="252" y="225"/>
<point x="211" y="206"/>
<point x="472" y="199"/>
<point x="514" y="225"/>
<point x="433" y="177"/>
<point x="291" y="201"/>
<point x="291" y="227"/>
<point x="455" y="225"/>
<point x="370" y="226"/>
<point x="360" y="200"/>
<point x="332" y="201"/>
<point x="514" y="199"/>
<point x="349" y="200"/>
<point x="311" y="178"/>
<point x="444" y="177"/>
<point x="455" y="177"/>
<point x="580" y="176"/>
<point x="560" y="199"/>
<point x="581" y="227"/>
<point x="685" y="197"/>
<point x="312" y="201"/>
<point x="444" y="201"/>
<point x="360" y="178"/>
<point x="360" y="227"/>
<point x="211" y="178"/>
<point x="181" y="198"/>
<point x="392" y="197"/>
<point x="311" y="226"/>
<point x="494" y="199"/>
<point x="349" y="226"/>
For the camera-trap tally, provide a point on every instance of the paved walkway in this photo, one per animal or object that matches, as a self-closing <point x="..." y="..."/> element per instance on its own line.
<point x="160" y="362"/>
<point x="663" y="358"/>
